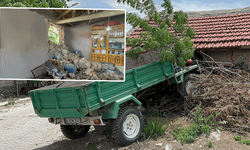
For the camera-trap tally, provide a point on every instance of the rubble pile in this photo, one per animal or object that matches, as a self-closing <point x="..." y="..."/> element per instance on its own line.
<point x="69" y="65"/>
<point x="224" y="90"/>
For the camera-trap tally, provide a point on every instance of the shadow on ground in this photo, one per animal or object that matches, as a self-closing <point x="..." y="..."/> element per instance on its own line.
<point x="92" y="141"/>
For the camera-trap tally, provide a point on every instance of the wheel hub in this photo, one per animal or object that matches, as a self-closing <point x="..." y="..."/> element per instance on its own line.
<point x="191" y="89"/>
<point x="131" y="126"/>
<point x="188" y="87"/>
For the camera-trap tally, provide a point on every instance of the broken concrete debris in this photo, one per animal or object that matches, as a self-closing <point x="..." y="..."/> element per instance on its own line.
<point x="69" y="65"/>
<point x="56" y="72"/>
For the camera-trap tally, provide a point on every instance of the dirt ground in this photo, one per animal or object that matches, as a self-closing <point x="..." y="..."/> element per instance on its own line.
<point x="21" y="128"/>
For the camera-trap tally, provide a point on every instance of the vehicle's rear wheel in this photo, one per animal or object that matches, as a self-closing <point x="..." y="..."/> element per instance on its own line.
<point x="128" y="127"/>
<point x="186" y="87"/>
<point x="74" y="131"/>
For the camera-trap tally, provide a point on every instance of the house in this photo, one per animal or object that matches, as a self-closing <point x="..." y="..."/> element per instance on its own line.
<point x="222" y="34"/>
<point x="24" y="36"/>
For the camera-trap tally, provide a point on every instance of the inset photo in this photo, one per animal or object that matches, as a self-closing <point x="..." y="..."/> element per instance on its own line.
<point x="62" y="44"/>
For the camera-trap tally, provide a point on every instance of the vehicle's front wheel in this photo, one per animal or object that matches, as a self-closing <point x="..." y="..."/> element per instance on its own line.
<point x="74" y="131"/>
<point x="128" y="127"/>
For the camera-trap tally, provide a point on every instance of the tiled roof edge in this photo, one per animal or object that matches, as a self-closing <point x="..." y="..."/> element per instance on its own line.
<point x="195" y="14"/>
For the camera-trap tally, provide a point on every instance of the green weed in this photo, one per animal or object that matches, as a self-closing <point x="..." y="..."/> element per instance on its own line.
<point x="239" y="138"/>
<point x="210" y="144"/>
<point x="153" y="129"/>
<point x="200" y="125"/>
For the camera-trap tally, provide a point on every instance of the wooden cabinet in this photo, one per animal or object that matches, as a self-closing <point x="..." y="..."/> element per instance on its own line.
<point x="117" y="31"/>
<point x="108" y="46"/>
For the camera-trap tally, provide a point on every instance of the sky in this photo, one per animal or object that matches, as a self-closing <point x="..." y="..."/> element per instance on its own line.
<point x="185" y="5"/>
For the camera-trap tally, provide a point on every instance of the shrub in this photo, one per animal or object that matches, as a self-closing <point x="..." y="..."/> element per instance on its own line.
<point x="201" y="124"/>
<point x="153" y="129"/>
<point x="237" y="138"/>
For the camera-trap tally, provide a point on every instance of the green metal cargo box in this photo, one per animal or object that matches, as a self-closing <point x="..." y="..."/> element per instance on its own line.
<point x="77" y="99"/>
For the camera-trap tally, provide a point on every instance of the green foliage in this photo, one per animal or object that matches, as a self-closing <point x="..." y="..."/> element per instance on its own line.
<point x="248" y="142"/>
<point x="239" y="138"/>
<point x="53" y="35"/>
<point x="210" y="144"/>
<point x="34" y="3"/>
<point x="153" y="129"/>
<point x="201" y="124"/>
<point x="171" y="47"/>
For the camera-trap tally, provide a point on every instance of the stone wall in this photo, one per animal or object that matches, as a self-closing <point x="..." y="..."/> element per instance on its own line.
<point x="229" y="54"/>
<point x="9" y="87"/>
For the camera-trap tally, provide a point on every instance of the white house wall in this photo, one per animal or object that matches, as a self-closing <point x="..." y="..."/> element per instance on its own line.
<point x="24" y="44"/>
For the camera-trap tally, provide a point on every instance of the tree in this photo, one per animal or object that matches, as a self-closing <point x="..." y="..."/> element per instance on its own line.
<point x="34" y="3"/>
<point x="176" y="47"/>
<point x="53" y="35"/>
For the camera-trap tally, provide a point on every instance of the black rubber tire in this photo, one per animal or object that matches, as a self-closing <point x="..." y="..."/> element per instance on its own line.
<point x="182" y="86"/>
<point x="118" y="133"/>
<point x="74" y="131"/>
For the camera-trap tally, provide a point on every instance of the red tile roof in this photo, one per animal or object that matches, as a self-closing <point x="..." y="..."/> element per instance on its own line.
<point x="217" y="31"/>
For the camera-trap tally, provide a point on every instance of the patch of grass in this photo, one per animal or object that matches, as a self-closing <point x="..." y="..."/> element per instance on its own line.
<point x="153" y="129"/>
<point x="200" y="125"/>
<point x="239" y="138"/>
<point x="210" y="144"/>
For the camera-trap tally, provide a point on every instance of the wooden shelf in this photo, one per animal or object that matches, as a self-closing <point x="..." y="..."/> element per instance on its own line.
<point x="116" y="49"/>
<point x="98" y="34"/>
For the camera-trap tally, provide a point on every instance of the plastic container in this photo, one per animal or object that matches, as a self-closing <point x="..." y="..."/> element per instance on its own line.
<point x="77" y="51"/>
<point x="96" y="25"/>
<point x="112" y="23"/>
<point x="54" y="56"/>
<point x="70" y="67"/>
